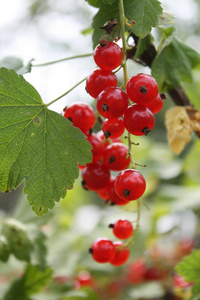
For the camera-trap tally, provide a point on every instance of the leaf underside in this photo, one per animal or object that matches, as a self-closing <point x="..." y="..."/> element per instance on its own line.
<point x="36" y="144"/>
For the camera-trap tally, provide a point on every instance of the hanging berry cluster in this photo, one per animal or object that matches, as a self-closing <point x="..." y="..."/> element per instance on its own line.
<point x="131" y="108"/>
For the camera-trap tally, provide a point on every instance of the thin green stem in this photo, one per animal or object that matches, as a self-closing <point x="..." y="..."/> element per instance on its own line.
<point x="123" y="35"/>
<point x="61" y="60"/>
<point x="138" y="215"/>
<point x="61" y="96"/>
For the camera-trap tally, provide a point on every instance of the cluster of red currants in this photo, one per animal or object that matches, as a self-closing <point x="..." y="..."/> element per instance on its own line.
<point x="116" y="253"/>
<point x="113" y="104"/>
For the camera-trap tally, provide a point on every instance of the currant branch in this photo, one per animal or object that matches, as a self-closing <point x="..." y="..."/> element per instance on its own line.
<point x="125" y="48"/>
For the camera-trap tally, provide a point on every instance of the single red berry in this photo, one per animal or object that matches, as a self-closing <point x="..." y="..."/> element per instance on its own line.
<point x="112" y="195"/>
<point x="95" y="176"/>
<point x="121" y="255"/>
<point x="108" y="55"/>
<point x="116" y="157"/>
<point x="155" y="105"/>
<point x="103" y="193"/>
<point x="97" y="147"/>
<point x="98" y="80"/>
<point x="83" y="278"/>
<point x="139" y="120"/>
<point x="122" y="229"/>
<point x="136" y="271"/>
<point x="81" y="115"/>
<point x="112" y="103"/>
<point x="130" y="184"/>
<point x="180" y="281"/>
<point x="113" y="128"/>
<point x="155" y="273"/>
<point x="142" y="89"/>
<point x="102" y="250"/>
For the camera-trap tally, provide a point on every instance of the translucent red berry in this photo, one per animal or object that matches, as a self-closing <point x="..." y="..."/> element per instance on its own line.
<point x="97" y="147"/>
<point x="95" y="176"/>
<point x="142" y="88"/>
<point x="98" y="80"/>
<point x="155" y="105"/>
<point x="136" y="271"/>
<point x="81" y="115"/>
<point x="105" y="141"/>
<point x="112" y="103"/>
<point x="108" y="55"/>
<point x="102" y="250"/>
<point x="116" y="157"/>
<point x="112" y="195"/>
<point x="139" y="120"/>
<point x="113" y="128"/>
<point x="122" y="229"/>
<point x="130" y="184"/>
<point x="121" y="255"/>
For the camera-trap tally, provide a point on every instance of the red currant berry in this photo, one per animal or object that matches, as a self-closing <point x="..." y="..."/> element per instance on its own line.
<point x="116" y="157"/>
<point x="81" y="115"/>
<point x="139" y="120"/>
<point x="84" y="278"/>
<point x="130" y="184"/>
<point x="102" y="250"/>
<point x="112" y="195"/>
<point x="155" y="105"/>
<point x="112" y="103"/>
<point x="108" y="55"/>
<point x="142" y="89"/>
<point x="180" y="281"/>
<point x="98" y="80"/>
<point x="103" y="193"/>
<point x="98" y="147"/>
<point x="95" y="176"/>
<point x="122" y="254"/>
<point x="122" y="229"/>
<point x="136" y="271"/>
<point x="113" y="128"/>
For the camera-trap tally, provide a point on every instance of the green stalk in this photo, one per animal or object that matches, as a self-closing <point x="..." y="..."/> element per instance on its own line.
<point x="48" y="104"/>
<point x="62" y="59"/>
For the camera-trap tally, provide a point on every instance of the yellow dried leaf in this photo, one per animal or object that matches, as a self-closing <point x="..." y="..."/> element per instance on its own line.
<point x="179" y="128"/>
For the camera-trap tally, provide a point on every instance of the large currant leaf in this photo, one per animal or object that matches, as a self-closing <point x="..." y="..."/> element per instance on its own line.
<point x="36" y="144"/>
<point x="145" y="13"/>
<point x="174" y="64"/>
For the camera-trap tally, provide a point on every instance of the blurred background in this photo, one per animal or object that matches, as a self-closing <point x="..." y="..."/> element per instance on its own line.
<point x="50" y="30"/>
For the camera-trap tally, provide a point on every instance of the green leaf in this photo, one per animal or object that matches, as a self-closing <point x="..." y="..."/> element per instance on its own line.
<point x="37" y="145"/>
<point x="4" y="249"/>
<point x="16" y="63"/>
<point x="31" y="283"/>
<point x="109" y="1"/>
<point x="95" y="3"/>
<point x="189" y="267"/>
<point x="18" y="241"/>
<point x="174" y="64"/>
<point x="144" y="12"/>
<point x="39" y="252"/>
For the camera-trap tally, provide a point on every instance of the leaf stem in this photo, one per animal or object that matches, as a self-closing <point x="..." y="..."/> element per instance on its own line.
<point x="61" y="96"/>
<point x="61" y="60"/>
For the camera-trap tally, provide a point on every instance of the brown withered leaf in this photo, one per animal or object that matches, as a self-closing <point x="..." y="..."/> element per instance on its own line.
<point x="179" y="128"/>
